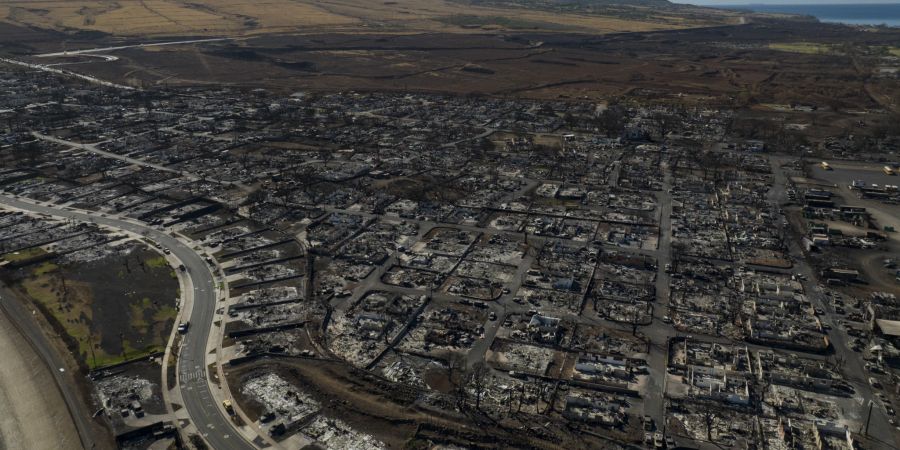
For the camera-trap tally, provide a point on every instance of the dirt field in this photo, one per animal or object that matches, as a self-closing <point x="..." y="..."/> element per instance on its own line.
<point x="103" y="318"/>
<point x="733" y="66"/>
<point x="439" y="46"/>
<point x="244" y="17"/>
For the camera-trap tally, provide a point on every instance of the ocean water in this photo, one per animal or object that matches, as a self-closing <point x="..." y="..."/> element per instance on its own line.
<point x="854" y="14"/>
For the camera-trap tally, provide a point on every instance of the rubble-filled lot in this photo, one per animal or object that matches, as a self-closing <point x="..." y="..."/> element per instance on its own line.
<point x="531" y="359"/>
<point x="445" y="328"/>
<point x="375" y="323"/>
<point x="131" y="394"/>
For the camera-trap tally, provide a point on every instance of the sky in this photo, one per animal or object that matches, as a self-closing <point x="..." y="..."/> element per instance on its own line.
<point x="781" y="2"/>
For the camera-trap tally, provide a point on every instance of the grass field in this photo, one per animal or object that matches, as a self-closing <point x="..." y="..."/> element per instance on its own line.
<point x="23" y="255"/>
<point x="159" y="261"/>
<point x="46" y="288"/>
<point x="168" y="17"/>
<point x="465" y="20"/>
<point x="812" y="48"/>
<point x="245" y="17"/>
<point x="109" y="320"/>
<point x="808" y="48"/>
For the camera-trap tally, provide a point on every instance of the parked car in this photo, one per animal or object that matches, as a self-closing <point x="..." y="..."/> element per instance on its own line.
<point x="875" y="384"/>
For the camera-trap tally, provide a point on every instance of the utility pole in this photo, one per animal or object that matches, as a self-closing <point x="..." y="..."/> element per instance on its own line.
<point x="91" y="344"/>
<point x="634" y="319"/>
<point x="869" y="416"/>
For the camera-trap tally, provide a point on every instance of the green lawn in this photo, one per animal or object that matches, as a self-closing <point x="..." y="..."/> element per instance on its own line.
<point x="155" y="263"/>
<point x="71" y="303"/>
<point x="809" y="48"/>
<point x="23" y="255"/>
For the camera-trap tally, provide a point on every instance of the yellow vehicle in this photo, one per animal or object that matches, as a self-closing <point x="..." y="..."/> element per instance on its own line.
<point x="825" y="166"/>
<point x="229" y="408"/>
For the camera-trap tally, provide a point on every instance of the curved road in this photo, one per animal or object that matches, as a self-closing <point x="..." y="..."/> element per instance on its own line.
<point x="205" y="414"/>
<point x="30" y="352"/>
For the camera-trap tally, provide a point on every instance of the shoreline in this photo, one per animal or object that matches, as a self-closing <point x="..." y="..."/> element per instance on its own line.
<point x="819" y="11"/>
<point x="28" y="396"/>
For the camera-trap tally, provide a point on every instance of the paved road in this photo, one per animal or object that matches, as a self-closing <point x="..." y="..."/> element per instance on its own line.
<point x="206" y="415"/>
<point x="96" y="150"/>
<point x="29" y="405"/>
<point x="659" y="332"/>
<point x="502" y="307"/>
<point x="122" y="47"/>
<point x="67" y="73"/>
